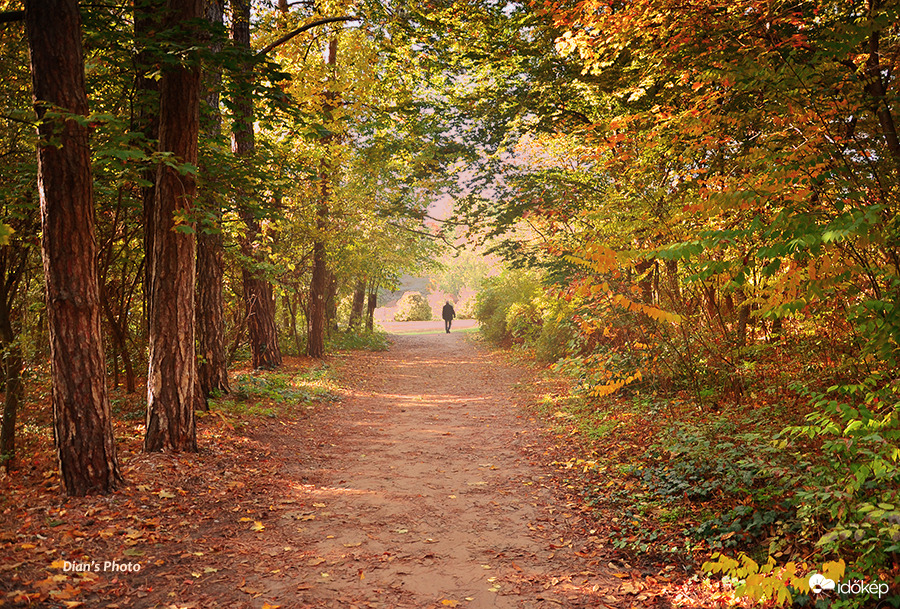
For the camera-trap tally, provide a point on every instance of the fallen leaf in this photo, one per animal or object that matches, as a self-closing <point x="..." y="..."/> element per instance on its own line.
<point x="257" y="526"/>
<point x="449" y="603"/>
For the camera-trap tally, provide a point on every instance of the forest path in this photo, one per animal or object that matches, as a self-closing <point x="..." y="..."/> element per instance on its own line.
<point x="429" y="498"/>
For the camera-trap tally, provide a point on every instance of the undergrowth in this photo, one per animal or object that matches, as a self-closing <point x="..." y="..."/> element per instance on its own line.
<point x="275" y="394"/>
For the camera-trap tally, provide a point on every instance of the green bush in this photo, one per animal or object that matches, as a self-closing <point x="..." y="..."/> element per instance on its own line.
<point x="504" y="306"/>
<point x="413" y="307"/>
<point x="850" y="498"/>
<point x="515" y="308"/>
<point x="358" y="340"/>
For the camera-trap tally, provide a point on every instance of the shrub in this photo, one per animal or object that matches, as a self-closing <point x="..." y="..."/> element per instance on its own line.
<point x="413" y="307"/>
<point x="505" y="309"/>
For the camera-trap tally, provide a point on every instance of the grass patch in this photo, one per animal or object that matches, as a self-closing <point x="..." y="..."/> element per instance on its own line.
<point x="276" y="393"/>
<point x="359" y="340"/>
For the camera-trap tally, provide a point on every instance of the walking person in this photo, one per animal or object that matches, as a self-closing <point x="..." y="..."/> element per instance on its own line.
<point x="448" y="314"/>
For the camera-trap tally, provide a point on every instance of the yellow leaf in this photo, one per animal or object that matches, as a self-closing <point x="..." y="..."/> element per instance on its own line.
<point x="268" y="606"/>
<point x="257" y="526"/>
<point x="834" y="570"/>
<point x="449" y="603"/>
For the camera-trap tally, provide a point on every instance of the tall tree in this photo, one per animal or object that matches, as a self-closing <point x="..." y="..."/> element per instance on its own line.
<point x="315" y="344"/>
<point x="259" y="296"/>
<point x="13" y="260"/>
<point x="212" y="365"/>
<point x="81" y="415"/>
<point x="147" y="25"/>
<point x="172" y="391"/>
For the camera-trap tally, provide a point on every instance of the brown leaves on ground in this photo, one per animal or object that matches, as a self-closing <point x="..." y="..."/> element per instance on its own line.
<point x="238" y="524"/>
<point x="166" y="538"/>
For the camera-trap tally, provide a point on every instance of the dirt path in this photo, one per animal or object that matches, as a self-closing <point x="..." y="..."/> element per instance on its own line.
<point x="424" y="486"/>
<point x="429" y="499"/>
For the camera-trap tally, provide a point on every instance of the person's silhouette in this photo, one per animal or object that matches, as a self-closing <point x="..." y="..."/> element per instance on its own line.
<point x="448" y="314"/>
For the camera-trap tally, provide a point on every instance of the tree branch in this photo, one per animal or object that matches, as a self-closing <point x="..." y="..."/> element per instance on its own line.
<point x="300" y="30"/>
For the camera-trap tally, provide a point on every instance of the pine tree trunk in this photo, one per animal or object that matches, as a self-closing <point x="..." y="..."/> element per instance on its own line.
<point x="259" y="299"/>
<point x="212" y="366"/>
<point x="172" y="389"/>
<point x="81" y="417"/>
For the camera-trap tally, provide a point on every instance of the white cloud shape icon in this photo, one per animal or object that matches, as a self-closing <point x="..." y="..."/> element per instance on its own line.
<point x="819" y="583"/>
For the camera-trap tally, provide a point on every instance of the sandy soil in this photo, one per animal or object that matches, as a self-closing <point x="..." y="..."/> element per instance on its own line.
<point x="430" y="498"/>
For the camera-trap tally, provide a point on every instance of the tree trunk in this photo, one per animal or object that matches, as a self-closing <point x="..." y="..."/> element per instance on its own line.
<point x="646" y="282"/>
<point x="172" y="390"/>
<point x="315" y="344"/>
<point x="14" y="392"/>
<point x="147" y="21"/>
<point x="212" y="366"/>
<point x="331" y="290"/>
<point x="874" y="85"/>
<point x="370" y="307"/>
<point x="258" y="293"/>
<point x="81" y="418"/>
<point x="671" y="283"/>
<point x="120" y="342"/>
<point x="743" y="316"/>
<point x="359" y="303"/>
<point x="12" y="267"/>
<point x="293" y="309"/>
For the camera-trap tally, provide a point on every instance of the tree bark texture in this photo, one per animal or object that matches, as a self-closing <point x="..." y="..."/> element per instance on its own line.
<point x="212" y="365"/>
<point x="259" y="298"/>
<point x="315" y="344"/>
<point x="81" y="415"/>
<point x="172" y="390"/>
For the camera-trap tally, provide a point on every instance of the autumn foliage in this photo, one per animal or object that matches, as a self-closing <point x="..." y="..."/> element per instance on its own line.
<point x="714" y="199"/>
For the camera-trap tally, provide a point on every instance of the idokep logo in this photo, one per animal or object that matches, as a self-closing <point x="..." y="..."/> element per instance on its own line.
<point x="818" y="584"/>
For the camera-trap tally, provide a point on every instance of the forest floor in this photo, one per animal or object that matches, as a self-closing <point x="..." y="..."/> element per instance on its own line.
<point x="424" y="480"/>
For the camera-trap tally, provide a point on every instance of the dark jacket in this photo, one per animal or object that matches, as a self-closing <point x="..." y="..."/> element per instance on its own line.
<point x="448" y="313"/>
